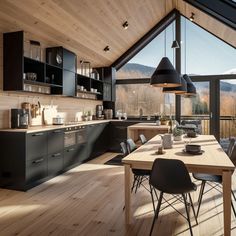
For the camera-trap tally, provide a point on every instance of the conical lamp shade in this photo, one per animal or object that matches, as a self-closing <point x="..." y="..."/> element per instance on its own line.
<point x="165" y="75"/>
<point x="175" y="44"/>
<point x="177" y="90"/>
<point x="191" y="89"/>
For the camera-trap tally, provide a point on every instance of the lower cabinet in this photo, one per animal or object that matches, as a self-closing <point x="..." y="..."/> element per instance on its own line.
<point x="36" y="171"/>
<point x="55" y="163"/>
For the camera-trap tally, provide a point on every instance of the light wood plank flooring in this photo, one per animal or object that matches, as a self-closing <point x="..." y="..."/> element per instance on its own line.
<point x="89" y="200"/>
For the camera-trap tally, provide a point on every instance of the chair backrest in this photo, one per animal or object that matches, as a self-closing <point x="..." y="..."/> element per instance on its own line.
<point x="230" y="147"/>
<point x="142" y="138"/>
<point x="131" y="145"/>
<point x="232" y="155"/>
<point x="124" y="149"/>
<point x="170" y="176"/>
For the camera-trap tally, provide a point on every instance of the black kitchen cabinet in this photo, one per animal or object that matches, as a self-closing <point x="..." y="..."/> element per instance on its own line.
<point x="55" y="151"/>
<point x="98" y="137"/>
<point x="55" y="163"/>
<point x="36" y="145"/>
<point x="74" y="155"/>
<point x="118" y="134"/>
<point x="69" y="79"/>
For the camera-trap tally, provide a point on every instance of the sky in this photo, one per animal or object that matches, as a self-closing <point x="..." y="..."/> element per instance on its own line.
<point x="205" y="54"/>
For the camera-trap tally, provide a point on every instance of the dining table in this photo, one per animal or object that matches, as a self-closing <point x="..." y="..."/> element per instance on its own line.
<point x="212" y="160"/>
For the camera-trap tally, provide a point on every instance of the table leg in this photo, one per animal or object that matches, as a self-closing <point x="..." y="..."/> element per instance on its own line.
<point x="127" y="194"/>
<point x="227" y="202"/>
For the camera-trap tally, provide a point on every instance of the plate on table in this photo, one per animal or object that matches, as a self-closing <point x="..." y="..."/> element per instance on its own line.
<point x="193" y="153"/>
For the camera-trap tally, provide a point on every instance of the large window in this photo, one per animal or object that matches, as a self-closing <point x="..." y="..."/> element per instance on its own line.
<point x="135" y="98"/>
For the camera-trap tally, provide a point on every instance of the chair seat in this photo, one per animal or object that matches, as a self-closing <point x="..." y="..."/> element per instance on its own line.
<point x="207" y="177"/>
<point x="141" y="172"/>
<point x="182" y="190"/>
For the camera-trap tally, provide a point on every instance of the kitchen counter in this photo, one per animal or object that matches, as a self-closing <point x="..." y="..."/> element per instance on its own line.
<point x="147" y="129"/>
<point x="52" y="127"/>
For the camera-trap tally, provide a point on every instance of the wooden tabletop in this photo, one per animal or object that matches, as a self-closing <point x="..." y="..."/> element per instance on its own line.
<point x="150" y="126"/>
<point x="214" y="160"/>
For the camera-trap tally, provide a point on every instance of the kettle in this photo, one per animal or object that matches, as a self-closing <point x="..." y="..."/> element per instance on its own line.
<point x="166" y="141"/>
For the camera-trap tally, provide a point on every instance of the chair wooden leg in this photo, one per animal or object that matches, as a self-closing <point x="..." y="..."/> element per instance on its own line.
<point x="194" y="213"/>
<point x="156" y="213"/>
<point x="186" y="208"/>
<point x="200" y="196"/>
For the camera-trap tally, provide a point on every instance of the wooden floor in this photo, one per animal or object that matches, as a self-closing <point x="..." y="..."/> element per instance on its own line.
<point x="89" y="200"/>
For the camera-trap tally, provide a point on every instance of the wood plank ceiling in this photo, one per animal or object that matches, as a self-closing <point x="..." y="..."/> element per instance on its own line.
<point x="87" y="27"/>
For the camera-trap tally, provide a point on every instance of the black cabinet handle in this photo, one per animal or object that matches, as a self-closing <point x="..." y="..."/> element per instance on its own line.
<point x="70" y="150"/>
<point x="57" y="131"/>
<point x="56" y="154"/>
<point x="38" y="134"/>
<point x="38" y="161"/>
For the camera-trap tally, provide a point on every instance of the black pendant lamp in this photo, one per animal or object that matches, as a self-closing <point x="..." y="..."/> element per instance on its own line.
<point x="191" y="89"/>
<point x="165" y="75"/>
<point x="175" y="44"/>
<point x="177" y="90"/>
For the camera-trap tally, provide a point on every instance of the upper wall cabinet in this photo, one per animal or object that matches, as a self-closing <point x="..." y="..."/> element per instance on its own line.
<point x="66" y="60"/>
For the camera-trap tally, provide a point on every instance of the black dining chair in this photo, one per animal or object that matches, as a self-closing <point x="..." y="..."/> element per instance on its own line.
<point x="215" y="180"/>
<point x="140" y="175"/>
<point x="171" y="176"/>
<point x="142" y="138"/>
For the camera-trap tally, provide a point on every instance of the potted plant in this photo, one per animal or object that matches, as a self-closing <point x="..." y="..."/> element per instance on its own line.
<point x="89" y="114"/>
<point x="85" y="116"/>
<point x="177" y="133"/>
<point x="164" y="120"/>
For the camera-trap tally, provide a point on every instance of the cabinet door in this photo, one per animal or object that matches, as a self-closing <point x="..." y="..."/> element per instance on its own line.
<point x="55" y="163"/>
<point x="106" y="92"/>
<point x="36" y="145"/>
<point x="69" y="83"/>
<point x="36" y="169"/>
<point x="69" y="60"/>
<point x="55" y="141"/>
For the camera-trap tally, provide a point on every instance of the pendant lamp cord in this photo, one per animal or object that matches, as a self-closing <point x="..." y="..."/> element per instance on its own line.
<point x="173" y="41"/>
<point x="165" y="32"/>
<point x="185" y="51"/>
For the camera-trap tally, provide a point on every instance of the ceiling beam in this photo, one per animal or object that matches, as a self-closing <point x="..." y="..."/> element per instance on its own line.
<point x="222" y="10"/>
<point x="147" y="38"/>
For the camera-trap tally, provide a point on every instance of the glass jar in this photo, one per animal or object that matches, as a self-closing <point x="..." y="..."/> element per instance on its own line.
<point x="35" y="50"/>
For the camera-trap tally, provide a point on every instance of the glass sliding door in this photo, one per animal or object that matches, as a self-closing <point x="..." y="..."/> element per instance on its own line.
<point x="196" y="110"/>
<point x="227" y="109"/>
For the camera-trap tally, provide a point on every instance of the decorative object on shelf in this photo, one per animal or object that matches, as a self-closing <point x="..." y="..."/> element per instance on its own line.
<point x="58" y="59"/>
<point x="85" y="68"/>
<point x="177" y="134"/>
<point x="177" y="90"/>
<point x="31" y="76"/>
<point x="35" y="50"/>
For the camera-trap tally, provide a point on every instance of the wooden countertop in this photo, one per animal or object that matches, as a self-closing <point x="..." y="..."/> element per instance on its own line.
<point x="150" y="126"/>
<point x="52" y="127"/>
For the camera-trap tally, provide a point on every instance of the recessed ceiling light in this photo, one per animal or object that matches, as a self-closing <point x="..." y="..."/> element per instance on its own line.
<point x="106" y="49"/>
<point x="125" y="25"/>
<point x="191" y="18"/>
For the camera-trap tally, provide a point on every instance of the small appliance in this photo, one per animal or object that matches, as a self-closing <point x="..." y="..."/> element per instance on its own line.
<point x="19" y="118"/>
<point x="99" y="111"/>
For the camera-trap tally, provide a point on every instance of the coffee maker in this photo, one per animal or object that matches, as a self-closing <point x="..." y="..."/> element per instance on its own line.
<point x="99" y="111"/>
<point x="19" y="118"/>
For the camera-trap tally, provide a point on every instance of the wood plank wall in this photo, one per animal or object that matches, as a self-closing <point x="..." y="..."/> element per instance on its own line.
<point x="10" y="100"/>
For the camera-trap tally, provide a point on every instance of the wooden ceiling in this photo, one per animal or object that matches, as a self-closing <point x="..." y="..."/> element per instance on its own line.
<point x="86" y="27"/>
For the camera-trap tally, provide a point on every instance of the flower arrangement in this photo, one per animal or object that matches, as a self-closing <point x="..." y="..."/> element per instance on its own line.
<point x="177" y="133"/>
